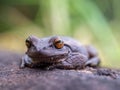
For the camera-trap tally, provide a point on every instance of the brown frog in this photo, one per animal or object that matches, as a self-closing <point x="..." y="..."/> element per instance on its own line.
<point x="58" y="52"/>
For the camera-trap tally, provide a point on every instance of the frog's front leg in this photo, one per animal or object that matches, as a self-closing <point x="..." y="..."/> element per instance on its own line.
<point x="94" y="60"/>
<point x="73" y="61"/>
<point x="26" y="60"/>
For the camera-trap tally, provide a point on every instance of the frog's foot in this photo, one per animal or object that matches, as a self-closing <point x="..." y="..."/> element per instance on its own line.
<point x="93" y="62"/>
<point x="22" y="65"/>
<point x="25" y="61"/>
<point x="74" y="61"/>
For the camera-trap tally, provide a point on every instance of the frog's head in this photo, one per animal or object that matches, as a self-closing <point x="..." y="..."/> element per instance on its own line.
<point x="50" y="49"/>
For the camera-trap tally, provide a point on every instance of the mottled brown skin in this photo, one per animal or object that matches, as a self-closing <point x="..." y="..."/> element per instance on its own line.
<point x="58" y="52"/>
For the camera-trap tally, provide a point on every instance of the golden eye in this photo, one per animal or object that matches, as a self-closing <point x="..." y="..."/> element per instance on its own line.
<point x="58" y="43"/>
<point x="28" y="44"/>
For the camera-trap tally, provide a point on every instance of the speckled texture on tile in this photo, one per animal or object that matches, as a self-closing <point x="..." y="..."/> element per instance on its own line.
<point x="13" y="78"/>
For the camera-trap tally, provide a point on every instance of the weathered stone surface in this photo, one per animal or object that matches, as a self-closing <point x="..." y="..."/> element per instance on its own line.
<point x="13" y="78"/>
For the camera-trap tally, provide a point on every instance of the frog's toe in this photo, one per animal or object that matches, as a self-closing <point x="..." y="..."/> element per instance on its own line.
<point x="94" y="62"/>
<point x="22" y="66"/>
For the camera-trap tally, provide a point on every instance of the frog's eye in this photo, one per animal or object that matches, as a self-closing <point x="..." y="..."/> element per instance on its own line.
<point x="58" y="43"/>
<point x="28" y="43"/>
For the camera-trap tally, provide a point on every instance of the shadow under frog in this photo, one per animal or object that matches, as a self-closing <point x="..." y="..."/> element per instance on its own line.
<point x="58" y="52"/>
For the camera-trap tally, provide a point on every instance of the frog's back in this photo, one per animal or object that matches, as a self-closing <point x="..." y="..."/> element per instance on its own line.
<point x="71" y="41"/>
<point x="75" y="45"/>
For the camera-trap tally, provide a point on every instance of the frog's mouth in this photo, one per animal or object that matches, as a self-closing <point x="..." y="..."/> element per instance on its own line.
<point x="49" y="59"/>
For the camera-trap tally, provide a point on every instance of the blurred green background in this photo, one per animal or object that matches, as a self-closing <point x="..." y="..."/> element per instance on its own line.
<point x="95" y="22"/>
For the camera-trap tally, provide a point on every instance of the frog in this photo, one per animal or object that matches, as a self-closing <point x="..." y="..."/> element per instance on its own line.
<point x="60" y="52"/>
